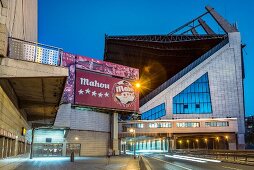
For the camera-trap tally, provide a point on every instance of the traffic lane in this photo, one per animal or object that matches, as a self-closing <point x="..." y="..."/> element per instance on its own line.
<point x="161" y="162"/>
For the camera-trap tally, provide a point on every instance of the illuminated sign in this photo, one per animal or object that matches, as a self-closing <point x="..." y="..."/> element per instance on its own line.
<point x="23" y="132"/>
<point x="104" y="91"/>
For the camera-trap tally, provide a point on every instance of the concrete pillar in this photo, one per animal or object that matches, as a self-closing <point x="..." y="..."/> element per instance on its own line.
<point x="13" y="147"/>
<point x="2" y="140"/>
<point x="173" y="143"/>
<point x="64" y="149"/>
<point x="9" y="147"/>
<point x="16" y="147"/>
<point x="4" y="40"/>
<point x="114" y="133"/>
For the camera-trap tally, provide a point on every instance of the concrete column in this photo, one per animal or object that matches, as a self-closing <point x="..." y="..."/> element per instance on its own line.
<point x="3" y="39"/>
<point x="2" y="140"/>
<point x="114" y="133"/>
<point x="13" y="147"/>
<point x="64" y="149"/>
<point x="9" y="147"/>
<point x="173" y="143"/>
<point x="16" y="147"/>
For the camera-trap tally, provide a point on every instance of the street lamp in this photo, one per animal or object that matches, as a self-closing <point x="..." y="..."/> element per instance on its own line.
<point x="227" y="146"/>
<point x="197" y="143"/>
<point x="180" y="142"/>
<point x="206" y="143"/>
<point x="134" y="138"/>
<point x="218" y="139"/>
<point x="188" y="142"/>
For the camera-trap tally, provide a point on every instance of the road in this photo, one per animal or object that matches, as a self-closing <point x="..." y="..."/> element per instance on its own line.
<point x="178" y="162"/>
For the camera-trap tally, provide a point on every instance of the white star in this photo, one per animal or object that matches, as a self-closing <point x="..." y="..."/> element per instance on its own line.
<point x="106" y="94"/>
<point x="81" y="92"/>
<point x="94" y="93"/>
<point x="100" y="94"/>
<point x="87" y="91"/>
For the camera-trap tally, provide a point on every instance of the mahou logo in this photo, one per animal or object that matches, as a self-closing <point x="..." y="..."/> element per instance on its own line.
<point x="123" y="93"/>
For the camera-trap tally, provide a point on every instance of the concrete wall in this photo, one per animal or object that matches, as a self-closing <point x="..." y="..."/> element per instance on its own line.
<point x="20" y="18"/>
<point x="10" y="118"/>
<point x="82" y="119"/>
<point x="225" y="79"/>
<point x="92" y="143"/>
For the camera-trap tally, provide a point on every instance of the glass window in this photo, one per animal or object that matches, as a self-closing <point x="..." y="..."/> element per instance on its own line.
<point x="196" y="96"/>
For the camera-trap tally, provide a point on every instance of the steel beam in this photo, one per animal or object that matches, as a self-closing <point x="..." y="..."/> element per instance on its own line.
<point x="207" y="29"/>
<point x="224" y="24"/>
<point x="188" y="23"/>
<point x="194" y="32"/>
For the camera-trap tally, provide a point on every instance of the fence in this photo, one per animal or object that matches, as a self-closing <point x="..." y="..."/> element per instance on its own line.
<point x="34" y="52"/>
<point x="237" y="156"/>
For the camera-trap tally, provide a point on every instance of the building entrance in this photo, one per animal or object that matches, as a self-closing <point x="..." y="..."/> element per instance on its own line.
<point x="47" y="150"/>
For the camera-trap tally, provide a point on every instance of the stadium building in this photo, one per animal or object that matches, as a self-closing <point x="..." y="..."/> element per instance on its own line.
<point x="192" y="86"/>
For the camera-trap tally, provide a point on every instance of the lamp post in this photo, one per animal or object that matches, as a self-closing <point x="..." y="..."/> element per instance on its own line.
<point x="218" y="139"/>
<point x="134" y="138"/>
<point x="180" y="142"/>
<point x="188" y="142"/>
<point x="227" y="146"/>
<point x="197" y="143"/>
<point x="206" y="143"/>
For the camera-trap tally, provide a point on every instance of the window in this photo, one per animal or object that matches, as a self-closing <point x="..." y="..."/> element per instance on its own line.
<point x="195" y="99"/>
<point x="216" y="124"/>
<point x="187" y="124"/>
<point x="154" y="113"/>
<point x="160" y="125"/>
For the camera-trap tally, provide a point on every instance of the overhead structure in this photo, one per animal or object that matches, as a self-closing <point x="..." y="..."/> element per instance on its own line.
<point x="160" y="57"/>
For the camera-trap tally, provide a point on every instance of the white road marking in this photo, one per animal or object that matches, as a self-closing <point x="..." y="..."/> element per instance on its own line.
<point x="187" y="159"/>
<point x="170" y="163"/>
<point x="202" y="159"/>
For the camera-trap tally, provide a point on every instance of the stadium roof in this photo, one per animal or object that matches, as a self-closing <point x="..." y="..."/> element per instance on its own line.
<point x="162" y="57"/>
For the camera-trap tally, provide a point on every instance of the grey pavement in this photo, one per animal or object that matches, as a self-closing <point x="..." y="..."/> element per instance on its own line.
<point x="81" y="163"/>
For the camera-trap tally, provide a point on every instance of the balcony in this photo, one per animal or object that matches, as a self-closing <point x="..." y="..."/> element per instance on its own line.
<point x="34" y="52"/>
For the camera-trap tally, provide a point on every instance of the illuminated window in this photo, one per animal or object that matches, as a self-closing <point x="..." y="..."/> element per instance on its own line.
<point x="216" y="124"/>
<point x="160" y="125"/>
<point x="195" y="99"/>
<point x="154" y="113"/>
<point x="187" y="124"/>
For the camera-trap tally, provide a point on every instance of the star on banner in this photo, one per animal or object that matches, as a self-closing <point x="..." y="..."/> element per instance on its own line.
<point x="80" y="92"/>
<point x="106" y="94"/>
<point x="87" y="91"/>
<point x="94" y="93"/>
<point x="100" y="94"/>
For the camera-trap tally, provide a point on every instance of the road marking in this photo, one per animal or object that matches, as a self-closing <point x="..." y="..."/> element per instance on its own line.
<point x="196" y="158"/>
<point x="170" y="163"/>
<point x="187" y="159"/>
<point x="227" y="167"/>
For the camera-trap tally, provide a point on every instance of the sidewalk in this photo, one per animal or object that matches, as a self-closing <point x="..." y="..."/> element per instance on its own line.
<point x="12" y="162"/>
<point x="81" y="163"/>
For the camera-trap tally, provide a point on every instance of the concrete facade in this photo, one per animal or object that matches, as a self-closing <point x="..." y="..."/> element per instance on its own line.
<point x="224" y="70"/>
<point x="92" y="129"/>
<point x="20" y="18"/>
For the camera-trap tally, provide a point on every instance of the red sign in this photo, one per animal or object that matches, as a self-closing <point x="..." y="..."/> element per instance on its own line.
<point x="93" y="89"/>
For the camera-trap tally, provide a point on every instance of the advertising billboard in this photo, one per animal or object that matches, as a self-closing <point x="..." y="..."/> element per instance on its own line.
<point x="97" y="90"/>
<point x="82" y="62"/>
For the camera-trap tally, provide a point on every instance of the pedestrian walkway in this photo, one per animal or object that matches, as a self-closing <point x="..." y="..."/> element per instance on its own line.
<point x="81" y="163"/>
<point x="12" y="162"/>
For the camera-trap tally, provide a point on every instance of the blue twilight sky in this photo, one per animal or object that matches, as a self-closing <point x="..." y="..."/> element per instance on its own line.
<point x="79" y="26"/>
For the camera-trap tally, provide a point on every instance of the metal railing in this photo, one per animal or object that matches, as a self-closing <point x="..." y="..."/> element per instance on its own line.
<point x="34" y="52"/>
<point x="236" y="156"/>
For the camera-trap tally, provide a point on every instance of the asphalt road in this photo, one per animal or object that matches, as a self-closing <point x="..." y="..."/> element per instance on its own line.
<point x="162" y="162"/>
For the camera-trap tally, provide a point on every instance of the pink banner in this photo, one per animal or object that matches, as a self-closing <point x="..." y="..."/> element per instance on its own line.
<point x="102" y="91"/>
